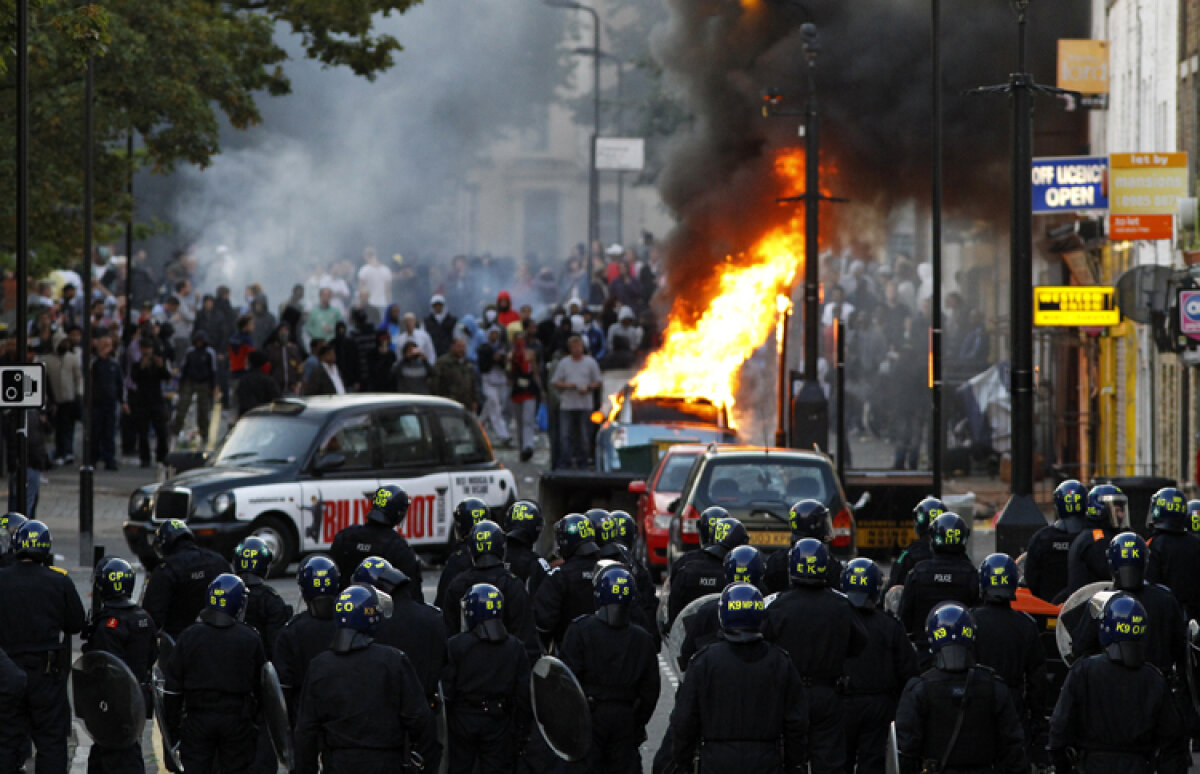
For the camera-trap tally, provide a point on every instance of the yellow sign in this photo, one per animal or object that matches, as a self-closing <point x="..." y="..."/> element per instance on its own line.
<point x="770" y="538"/>
<point x="1147" y="183"/>
<point x="1093" y="307"/>
<point x="1083" y="66"/>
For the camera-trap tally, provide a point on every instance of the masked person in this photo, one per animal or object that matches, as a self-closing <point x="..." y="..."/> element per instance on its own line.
<point x="178" y="588"/>
<point x="377" y="536"/>
<point x="1106" y="515"/>
<point x="948" y="577"/>
<point x="918" y="550"/>
<point x="806" y="519"/>
<point x="466" y="515"/>
<point x="310" y="631"/>
<point x="1046" y="559"/>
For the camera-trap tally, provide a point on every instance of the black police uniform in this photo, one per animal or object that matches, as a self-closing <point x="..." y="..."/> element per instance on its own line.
<point x="776" y="578"/>
<point x="488" y="717"/>
<point x="1175" y="563"/>
<point x="1165" y="643"/>
<point x="266" y="612"/>
<point x="1117" y="718"/>
<point x="645" y="607"/>
<point x="944" y="578"/>
<point x="372" y="538"/>
<point x="871" y="689"/>
<point x="13" y="742"/>
<point x="518" y="610"/>
<point x="1047" y="560"/>
<point x="458" y="562"/>
<point x="212" y="679"/>
<point x="126" y="631"/>
<point x="1087" y="561"/>
<point x="617" y="667"/>
<point x="918" y="551"/>
<point x="703" y="629"/>
<point x="990" y="738"/>
<point x="525" y="563"/>
<point x="419" y="630"/>
<point x="819" y="629"/>
<point x="738" y="701"/>
<point x="361" y="712"/>
<point x="1008" y="642"/>
<point x="303" y="638"/>
<point x="178" y="588"/>
<point x="702" y="575"/>
<point x="563" y="596"/>
<point x="39" y="610"/>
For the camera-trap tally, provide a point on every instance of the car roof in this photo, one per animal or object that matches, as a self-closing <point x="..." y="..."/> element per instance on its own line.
<point x="741" y="451"/>
<point x="323" y="405"/>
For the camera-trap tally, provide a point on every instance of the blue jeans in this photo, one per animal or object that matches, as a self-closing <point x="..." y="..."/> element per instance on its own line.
<point x="573" y="436"/>
<point x="33" y="480"/>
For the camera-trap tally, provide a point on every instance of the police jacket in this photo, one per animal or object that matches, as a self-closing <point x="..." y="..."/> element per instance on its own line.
<point x="178" y="587"/>
<point x="371" y="538"/>
<point x="563" y="596"/>
<point x="215" y="667"/>
<point x="1008" y="642"/>
<point x="38" y="605"/>
<point x="887" y="663"/>
<point x="819" y="629"/>
<point x="945" y="577"/>
<point x="615" y="665"/>
<point x="1165" y="645"/>
<point x="740" y="704"/>
<point x="417" y="629"/>
<point x="127" y="632"/>
<point x="703" y="629"/>
<point x="266" y="612"/>
<point x="366" y="699"/>
<point x="457" y="562"/>
<point x="1119" y="716"/>
<point x="646" y="605"/>
<point x="990" y="739"/>
<point x="1087" y="561"/>
<point x="777" y="579"/>
<point x="488" y="676"/>
<point x="525" y="563"/>
<point x="701" y="575"/>
<point x="1046" y="560"/>
<point x="518" y="612"/>
<point x="303" y="638"/>
<point x="1175" y="563"/>
<point x="917" y="552"/>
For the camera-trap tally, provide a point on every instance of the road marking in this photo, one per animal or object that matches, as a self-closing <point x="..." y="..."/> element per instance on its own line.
<point x="668" y="671"/>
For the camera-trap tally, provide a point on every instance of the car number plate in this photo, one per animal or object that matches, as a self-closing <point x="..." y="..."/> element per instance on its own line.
<point x="770" y="538"/>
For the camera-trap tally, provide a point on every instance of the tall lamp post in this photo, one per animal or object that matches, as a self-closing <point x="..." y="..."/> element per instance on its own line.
<point x="617" y="125"/>
<point x="938" y="436"/>
<point x="593" y="205"/>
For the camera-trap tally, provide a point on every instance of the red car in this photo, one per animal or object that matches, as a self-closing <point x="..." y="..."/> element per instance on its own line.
<point x="663" y="486"/>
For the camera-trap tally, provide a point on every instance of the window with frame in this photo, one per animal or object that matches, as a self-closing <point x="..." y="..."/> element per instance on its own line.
<point x="405" y="438"/>
<point x="351" y="438"/>
<point x="465" y="441"/>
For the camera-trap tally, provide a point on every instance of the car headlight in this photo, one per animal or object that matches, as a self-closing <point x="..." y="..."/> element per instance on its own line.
<point x="222" y="503"/>
<point x="141" y="502"/>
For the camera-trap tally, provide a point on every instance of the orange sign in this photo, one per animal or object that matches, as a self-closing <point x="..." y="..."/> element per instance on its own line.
<point x="1135" y="228"/>
<point x="1083" y="66"/>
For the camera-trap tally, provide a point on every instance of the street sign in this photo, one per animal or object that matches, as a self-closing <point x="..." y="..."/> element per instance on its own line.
<point x="1075" y="306"/>
<point x="1189" y="313"/>
<point x="622" y="154"/>
<point x="23" y="386"/>
<point x="1135" y="228"/>
<point x="1083" y="66"/>
<point x="1146" y="184"/>
<point x="1070" y="183"/>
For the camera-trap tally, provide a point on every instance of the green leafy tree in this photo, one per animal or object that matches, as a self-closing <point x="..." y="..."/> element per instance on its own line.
<point x="166" y="70"/>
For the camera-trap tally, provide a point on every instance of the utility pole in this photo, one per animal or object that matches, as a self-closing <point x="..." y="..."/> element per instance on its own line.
<point x="937" y="433"/>
<point x="88" y="468"/>
<point x="22" y="461"/>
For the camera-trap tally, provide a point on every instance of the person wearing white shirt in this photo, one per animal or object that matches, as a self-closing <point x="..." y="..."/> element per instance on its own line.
<point x="412" y="332"/>
<point x="377" y="279"/>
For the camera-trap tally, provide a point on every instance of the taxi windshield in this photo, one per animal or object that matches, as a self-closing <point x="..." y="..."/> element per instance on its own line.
<point x="266" y="440"/>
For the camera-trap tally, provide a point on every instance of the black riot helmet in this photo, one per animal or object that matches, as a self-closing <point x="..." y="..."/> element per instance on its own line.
<point x="524" y="521"/>
<point x="951" y="632"/>
<point x="1193" y="512"/>
<point x="113" y="579"/>
<point x="9" y="524"/>
<point x="169" y="535"/>
<point x="32" y="541"/>
<point x="705" y="521"/>
<point x="810" y="519"/>
<point x="467" y="514"/>
<point x="948" y="534"/>
<point x="319" y="579"/>
<point x="573" y="534"/>
<point x="1070" y="501"/>
<point x="626" y="529"/>
<point x="1127" y="555"/>
<point x="253" y="556"/>
<point x="998" y="576"/>
<point x="613" y="591"/>
<point x="727" y="534"/>
<point x="1107" y="506"/>
<point x="485" y="544"/>
<point x="389" y="506"/>
<point x="808" y="563"/>
<point x="378" y="572"/>
<point x="1168" y="510"/>
<point x="1123" y="630"/>
<point x="924" y="514"/>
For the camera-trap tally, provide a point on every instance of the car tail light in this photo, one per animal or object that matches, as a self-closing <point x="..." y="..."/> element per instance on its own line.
<point x="687" y="521"/>
<point x="842" y="533"/>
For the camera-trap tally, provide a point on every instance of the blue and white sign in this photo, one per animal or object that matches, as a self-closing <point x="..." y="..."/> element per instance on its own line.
<point x="1189" y="313"/>
<point x="1070" y="183"/>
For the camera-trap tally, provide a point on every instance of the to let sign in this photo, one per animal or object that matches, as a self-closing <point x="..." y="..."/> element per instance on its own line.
<point x="1087" y="306"/>
<point x="1148" y="186"/>
<point x="1070" y="183"/>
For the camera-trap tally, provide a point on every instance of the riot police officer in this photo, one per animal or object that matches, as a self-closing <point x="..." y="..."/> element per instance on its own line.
<point x="1107" y="515"/>
<point x="566" y="593"/>
<point x="958" y="716"/>
<point x="807" y="519"/>
<point x="1115" y="709"/>
<point x="467" y="514"/>
<point x="948" y="576"/>
<point x="1050" y="546"/>
<point x="212" y="679"/>
<point x="486" y="683"/>
<point x="705" y="574"/>
<point x="39" y="611"/>
<point x="1007" y="641"/>
<point x="739" y="671"/>
<point x="1193" y="513"/>
<point x="414" y="627"/>
<point x="266" y="612"/>
<point x="485" y="543"/>
<point x="876" y="676"/>
<point x="617" y="666"/>
<point x="9" y="524"/>
<point x="126" y="631"/>
<point x="819" y="629"/>
<point x="362" y="710"/>
<point x="743" y="564"/>
<point x="1174" y="553"/>
<point x="377" y="536"/>
<point x="522" y="529"/>
<point x="309" y="632"/>
<point x="177" y="589"/>
<point x="704" y="523"/>
<point x="918" y="550"/>
<point x="616" y="536"/>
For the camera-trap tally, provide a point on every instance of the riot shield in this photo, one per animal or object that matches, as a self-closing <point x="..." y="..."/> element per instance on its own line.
<point x="107" y="699"/>
<point x="561" y="709"/>
<point x="169" y="743"/>
<point x="892" y="755"/>
<point x="891" y="600"/>
<point x="683" y="624"/>
<point x="443" y="732"/>
<point x="275" y="715"/>
<point x="1078" y="604"/>
<point x="165" y="646"/>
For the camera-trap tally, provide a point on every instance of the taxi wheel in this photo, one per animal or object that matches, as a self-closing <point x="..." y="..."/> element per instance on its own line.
<point x="276" y="533"/>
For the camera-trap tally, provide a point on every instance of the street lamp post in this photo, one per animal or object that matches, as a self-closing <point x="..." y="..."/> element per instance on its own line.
<point x="593" y="204"/>
<point x="617" y="126"/>
<point x="937" y="435"/>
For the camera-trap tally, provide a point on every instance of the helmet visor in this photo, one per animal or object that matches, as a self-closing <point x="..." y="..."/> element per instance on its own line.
<point x="386" y="605"/>
<point x="1116" y="510"/>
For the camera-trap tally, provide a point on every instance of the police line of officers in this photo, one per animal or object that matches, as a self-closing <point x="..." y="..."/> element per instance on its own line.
<point x="782" y="670"/>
